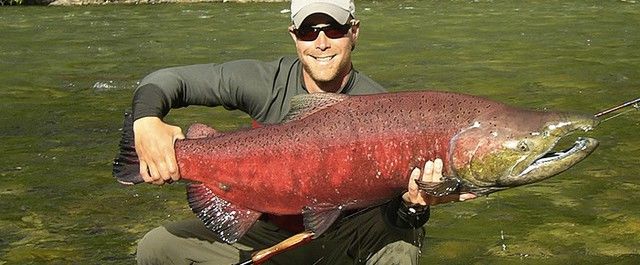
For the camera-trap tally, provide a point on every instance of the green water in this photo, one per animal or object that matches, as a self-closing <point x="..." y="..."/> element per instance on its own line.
<point x="67" y="73"/>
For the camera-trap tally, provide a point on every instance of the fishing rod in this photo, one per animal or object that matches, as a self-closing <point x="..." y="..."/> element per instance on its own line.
<point x="635" y="103"/>
<point x="289" y="243"/>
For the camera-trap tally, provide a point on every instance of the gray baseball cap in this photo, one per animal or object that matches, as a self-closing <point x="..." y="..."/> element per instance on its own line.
<point x="340" y="10"/>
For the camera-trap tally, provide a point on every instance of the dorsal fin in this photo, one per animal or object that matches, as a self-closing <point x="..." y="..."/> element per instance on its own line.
<point x="306" y="104"/>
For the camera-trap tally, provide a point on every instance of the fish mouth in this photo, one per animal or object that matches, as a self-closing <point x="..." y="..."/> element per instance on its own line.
<point x="540" y="158"/>
<point x="549" y="162"/>
<point x="561" y="160"/>
<point x="520" y="153"/>
<point x="545" y="166"/>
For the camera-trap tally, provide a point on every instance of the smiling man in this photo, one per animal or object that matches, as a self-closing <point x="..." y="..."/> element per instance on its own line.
<point x="326" y="60"/>
<point x="325" y="33"/>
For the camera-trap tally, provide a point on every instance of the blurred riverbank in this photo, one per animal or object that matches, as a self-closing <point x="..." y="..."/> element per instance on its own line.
<point x="128" y="2"/>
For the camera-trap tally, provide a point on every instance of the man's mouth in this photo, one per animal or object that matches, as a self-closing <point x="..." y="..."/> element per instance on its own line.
<point x="323" y="59"/>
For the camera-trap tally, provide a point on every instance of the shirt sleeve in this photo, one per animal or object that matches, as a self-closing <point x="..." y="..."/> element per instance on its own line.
<point x="243" y="84"/>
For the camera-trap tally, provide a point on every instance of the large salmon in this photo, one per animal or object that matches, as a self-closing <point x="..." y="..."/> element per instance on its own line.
<point x="337" y="152"/>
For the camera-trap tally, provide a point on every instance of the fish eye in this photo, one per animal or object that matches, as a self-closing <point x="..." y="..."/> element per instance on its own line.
<point x="522" y="146"/>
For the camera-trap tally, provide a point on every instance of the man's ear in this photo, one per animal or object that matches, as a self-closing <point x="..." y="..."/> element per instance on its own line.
<point x="355" y="32"/>
<point x="293" y="36"/>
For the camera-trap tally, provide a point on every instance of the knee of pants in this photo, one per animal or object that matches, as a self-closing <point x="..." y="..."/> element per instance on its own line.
<point x="396" y="253"/>
<point x="155" y="246"/>
<point x="160" y="246"/>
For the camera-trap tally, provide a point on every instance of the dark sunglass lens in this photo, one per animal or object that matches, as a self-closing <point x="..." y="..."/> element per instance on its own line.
<point x="306" y="34"/>
<point x="337" y="31"/>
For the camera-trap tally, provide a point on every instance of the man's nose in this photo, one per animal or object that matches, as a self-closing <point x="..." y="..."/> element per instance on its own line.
<point x="322" y="41"/>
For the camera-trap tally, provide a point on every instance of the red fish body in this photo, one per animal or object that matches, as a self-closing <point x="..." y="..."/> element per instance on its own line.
<point x="339" y="152"/>
<point x="353" y="154"/>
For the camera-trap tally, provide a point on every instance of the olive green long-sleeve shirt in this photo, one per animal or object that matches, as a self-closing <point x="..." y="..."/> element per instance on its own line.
<point x="261" y="89"/>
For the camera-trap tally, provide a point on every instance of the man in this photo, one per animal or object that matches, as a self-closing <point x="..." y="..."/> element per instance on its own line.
<point x="324" y="32"/>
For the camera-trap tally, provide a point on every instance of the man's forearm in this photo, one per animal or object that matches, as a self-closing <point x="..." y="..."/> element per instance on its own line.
<point x="149" y="100"/>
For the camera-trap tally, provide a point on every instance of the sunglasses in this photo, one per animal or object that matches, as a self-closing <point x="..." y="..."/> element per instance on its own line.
<point x="333" y="31"/>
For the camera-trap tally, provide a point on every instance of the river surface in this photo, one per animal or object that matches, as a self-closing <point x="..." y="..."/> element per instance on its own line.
<point x="68" y="73"/>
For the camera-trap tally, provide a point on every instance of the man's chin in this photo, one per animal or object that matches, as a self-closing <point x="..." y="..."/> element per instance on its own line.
<point x="321" y="73"/>
<point x="324" y="77"/>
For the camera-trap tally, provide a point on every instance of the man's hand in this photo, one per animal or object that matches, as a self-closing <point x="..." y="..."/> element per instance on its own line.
<point x="432" y="173"/>
<point x="154" y="141"/>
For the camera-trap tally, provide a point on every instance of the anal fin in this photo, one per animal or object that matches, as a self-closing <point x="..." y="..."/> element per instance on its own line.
<point x="319" y="218"/>
<point x="227" y="220"/>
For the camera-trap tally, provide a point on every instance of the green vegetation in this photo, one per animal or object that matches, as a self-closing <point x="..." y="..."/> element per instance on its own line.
<point x="10" y="2"/>
<point x="24" y="2"/>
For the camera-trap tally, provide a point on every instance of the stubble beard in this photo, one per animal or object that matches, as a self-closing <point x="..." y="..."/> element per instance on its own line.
<point x="328" y="76"/>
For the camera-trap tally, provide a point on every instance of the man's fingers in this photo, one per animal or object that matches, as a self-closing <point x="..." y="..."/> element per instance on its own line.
<point x="155" y="175"/>
<point x="427" y="173"/>
<point x="178" y="135"/>
<point x="437" y="170"/>
<point x="413" y="186"/>
<point x="466" y="196"/>
<point x="174" y="171"/>
<point x="413" y="194"/>
<point x="172" y="167"/>
<point x="144" y="172"/>
<point x="152" y="172"/>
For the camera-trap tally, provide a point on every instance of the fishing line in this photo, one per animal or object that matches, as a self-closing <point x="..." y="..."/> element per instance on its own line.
<point x="634" y="103"/>
<point x="636" y="106"/>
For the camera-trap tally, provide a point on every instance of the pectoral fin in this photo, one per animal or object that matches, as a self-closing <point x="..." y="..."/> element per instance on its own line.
<point x="439" y="189"/>
<point x="229" y="221"/>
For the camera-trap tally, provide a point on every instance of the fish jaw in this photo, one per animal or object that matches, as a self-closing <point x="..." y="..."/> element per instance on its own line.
<point x="510" y="154"/>
<point x="553" y="163"/>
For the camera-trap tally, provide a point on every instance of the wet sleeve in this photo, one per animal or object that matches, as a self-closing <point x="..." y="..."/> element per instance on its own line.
<point x="405" y="216"/>
<point x="240" y="85"/>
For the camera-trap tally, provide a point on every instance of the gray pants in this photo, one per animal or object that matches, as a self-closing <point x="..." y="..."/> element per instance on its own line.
<point x="365" y="238"/>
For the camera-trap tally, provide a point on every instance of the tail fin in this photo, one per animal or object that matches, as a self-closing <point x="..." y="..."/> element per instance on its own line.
<point x="126" y="166"/>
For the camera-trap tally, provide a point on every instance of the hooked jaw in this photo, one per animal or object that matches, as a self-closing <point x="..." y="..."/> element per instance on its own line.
<point x="516" y="156"/>
<point x="563" y="159"/>
<point x="548" y="163"/>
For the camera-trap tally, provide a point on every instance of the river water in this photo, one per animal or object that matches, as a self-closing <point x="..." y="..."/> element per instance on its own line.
<point x="67" y="74"/>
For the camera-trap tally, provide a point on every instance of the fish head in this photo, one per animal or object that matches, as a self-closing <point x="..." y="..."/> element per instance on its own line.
<point x="518" y="148"/>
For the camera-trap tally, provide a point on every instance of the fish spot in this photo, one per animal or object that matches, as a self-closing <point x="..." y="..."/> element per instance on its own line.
<point x="223" y="186"/>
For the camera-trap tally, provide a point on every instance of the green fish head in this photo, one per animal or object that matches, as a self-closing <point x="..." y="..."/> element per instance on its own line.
<point x="518" y="149"/>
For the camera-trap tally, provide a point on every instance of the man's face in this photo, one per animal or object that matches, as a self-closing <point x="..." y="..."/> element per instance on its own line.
<point x="325" y="59"/>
